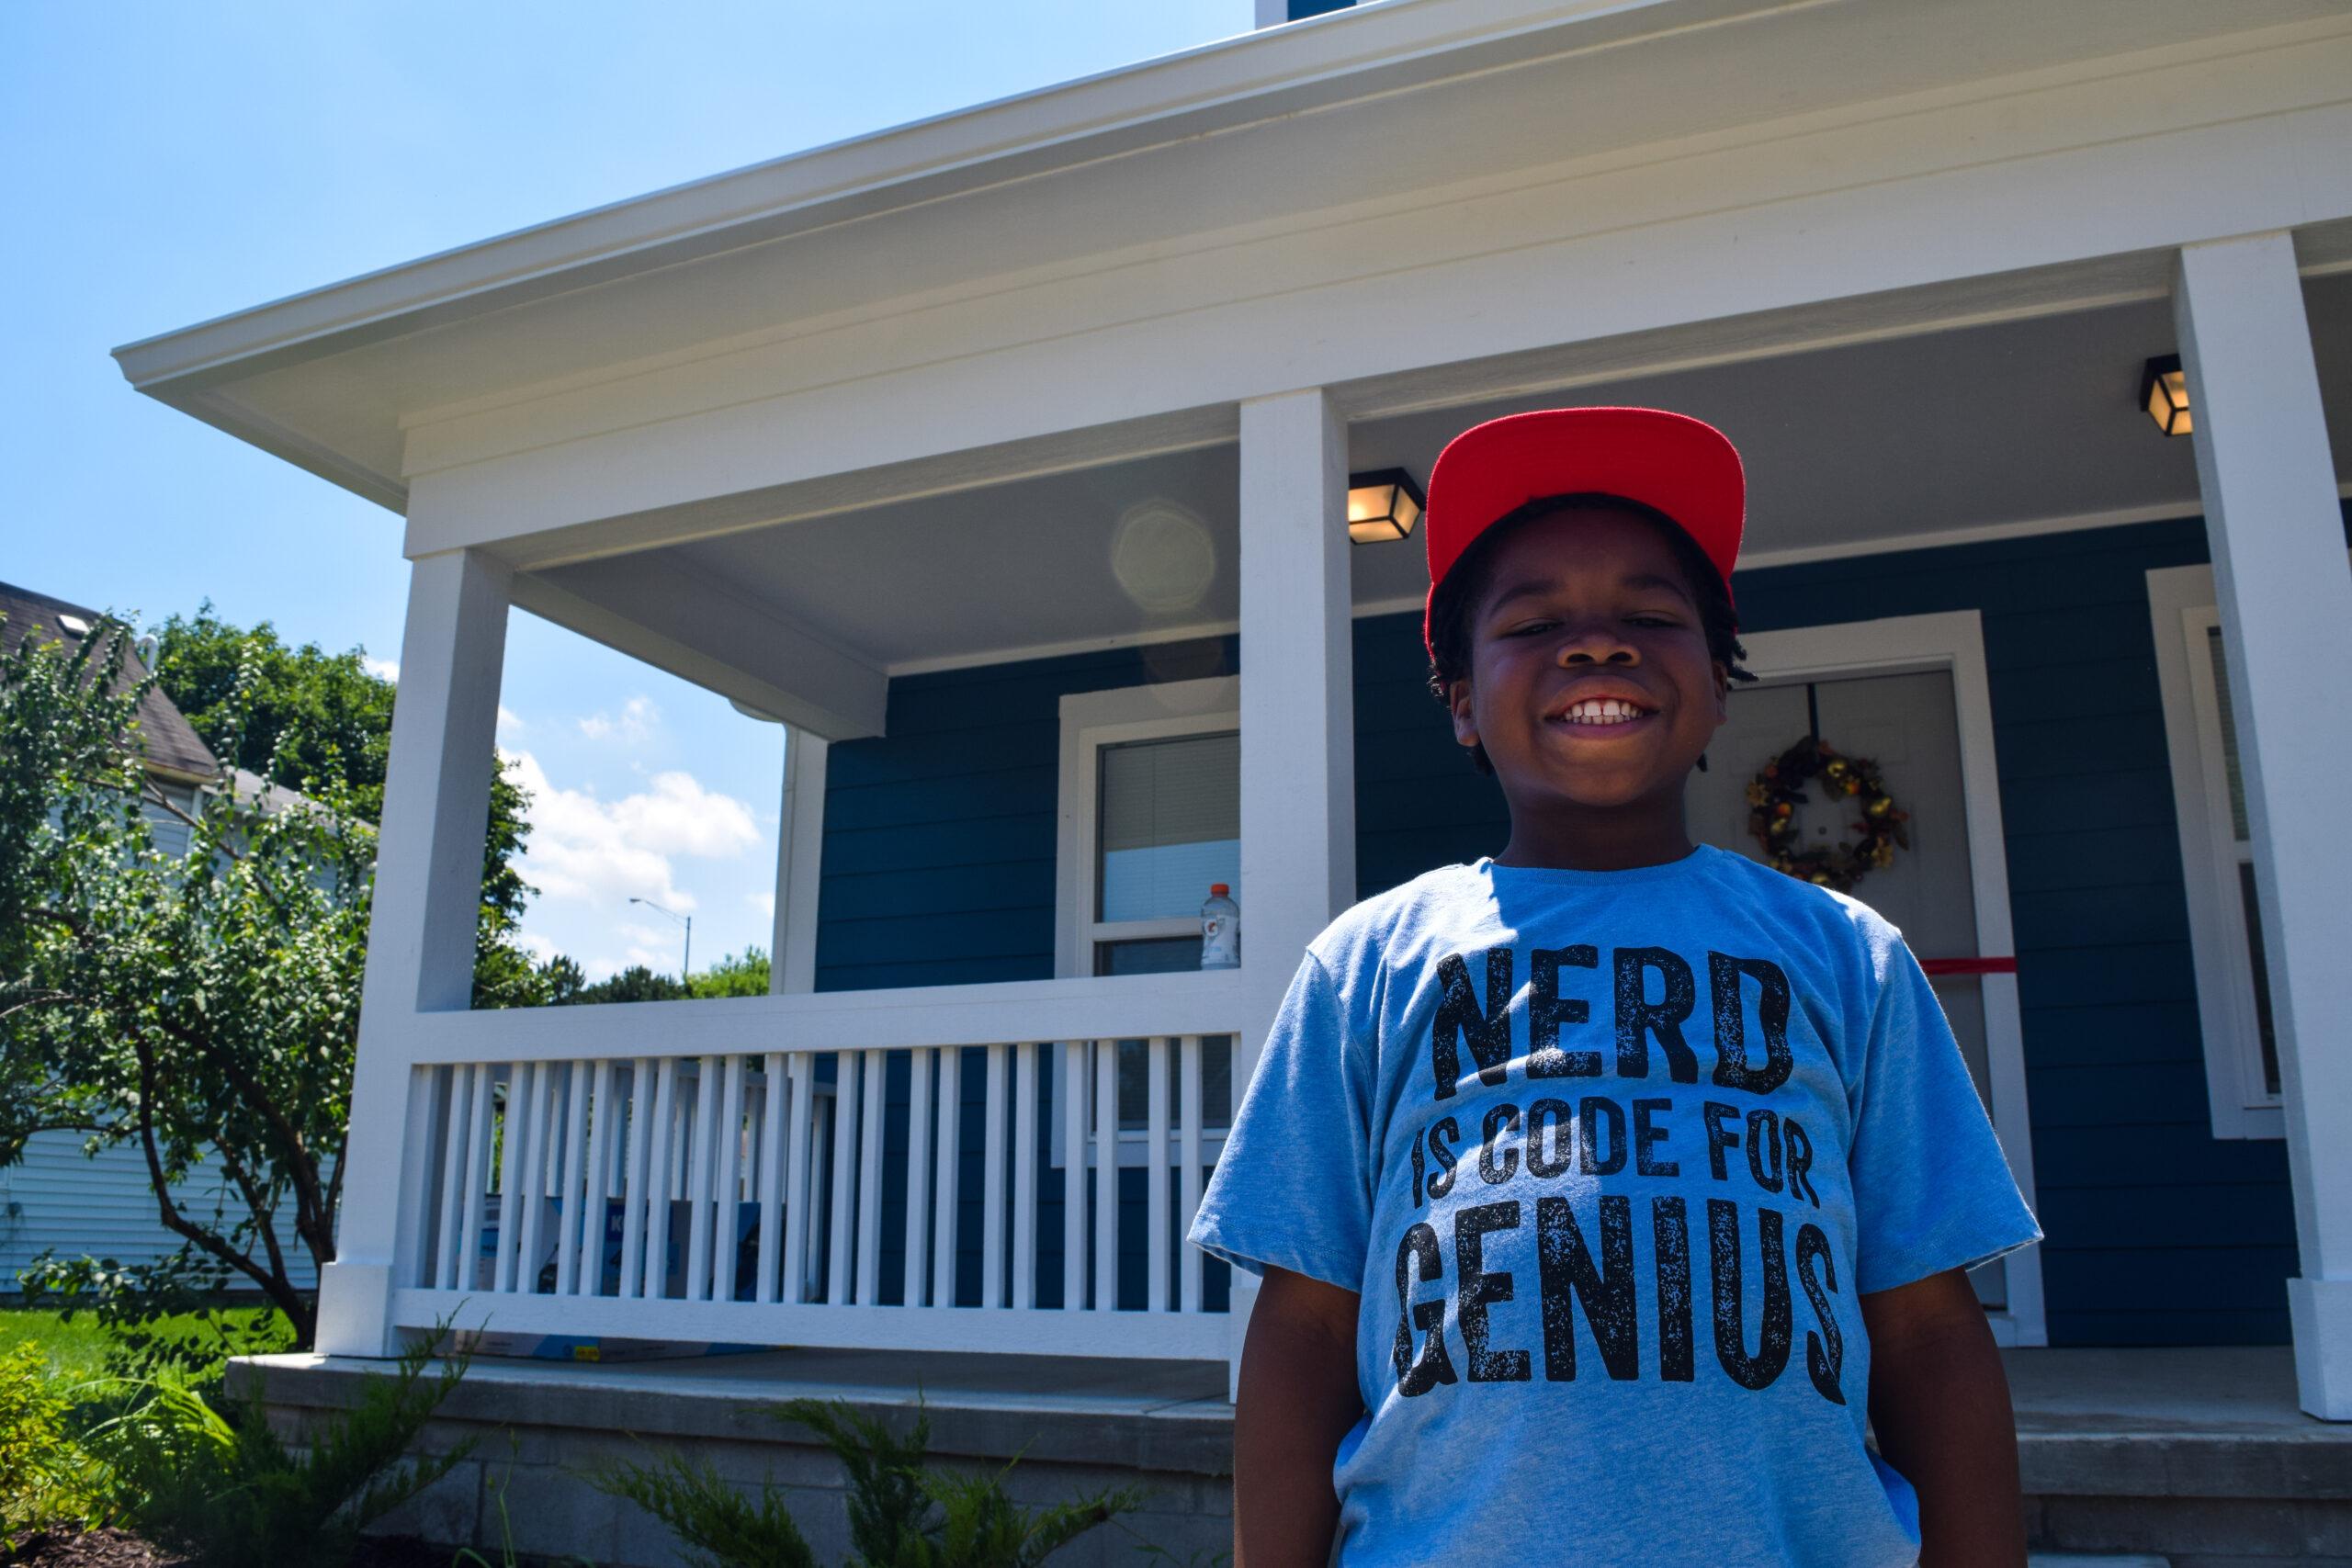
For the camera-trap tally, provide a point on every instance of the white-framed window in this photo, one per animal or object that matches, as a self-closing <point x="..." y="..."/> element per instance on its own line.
<point x="2216" y="855"/>
<point x="1149" y="819"/>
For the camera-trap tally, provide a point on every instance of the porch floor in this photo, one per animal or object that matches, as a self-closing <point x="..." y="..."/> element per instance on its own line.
<point x="2203" y="1421"/>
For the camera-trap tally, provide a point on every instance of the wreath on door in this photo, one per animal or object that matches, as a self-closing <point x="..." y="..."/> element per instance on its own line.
<point x="1774" y="795"/>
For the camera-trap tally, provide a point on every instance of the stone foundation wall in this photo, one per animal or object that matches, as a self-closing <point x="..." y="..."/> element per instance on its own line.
<point x="532" y="1445"/>
<point x="2192" y="1499"/>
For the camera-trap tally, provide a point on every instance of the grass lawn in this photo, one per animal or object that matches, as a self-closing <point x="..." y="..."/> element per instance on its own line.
<point x="78" y="1349"/>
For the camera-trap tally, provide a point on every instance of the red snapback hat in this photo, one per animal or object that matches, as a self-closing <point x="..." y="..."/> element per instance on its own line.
<point x="1683" y="466"/>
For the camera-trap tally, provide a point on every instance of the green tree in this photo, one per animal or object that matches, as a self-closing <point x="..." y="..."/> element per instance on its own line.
<point x="743" y="974"/>
<point x="301" y="713"/>
<point x="200" y="1008"/>
<point x="634" y="984"/>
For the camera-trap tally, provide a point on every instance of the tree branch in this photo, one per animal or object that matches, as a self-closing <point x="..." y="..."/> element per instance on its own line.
<point x="38" y="999"/>
<point x="264" y="1218"/>
<point x="280" y="1290"/>
<point x="301" y="1168"/>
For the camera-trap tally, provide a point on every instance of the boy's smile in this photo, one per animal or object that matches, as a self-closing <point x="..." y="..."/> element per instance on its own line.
<point x="1591" y="689"/>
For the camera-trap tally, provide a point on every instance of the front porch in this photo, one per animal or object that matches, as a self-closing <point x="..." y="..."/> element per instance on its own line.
<point x="962" y="1127"/>
<point x="2195" y="1457"/>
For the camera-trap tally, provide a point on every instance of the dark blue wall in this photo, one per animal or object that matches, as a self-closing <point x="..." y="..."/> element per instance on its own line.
<point x="2159" y="1233"/>
<point x="939" y="846"/>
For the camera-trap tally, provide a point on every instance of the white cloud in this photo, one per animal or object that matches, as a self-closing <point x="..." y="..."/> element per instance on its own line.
<point x="637" y="721"/>
<point x="382" y="669"/>
<point x="657" y="950"/>
<point x="605" y="852"/>
<point x="764" y="902"/>
<point x="538" y="947"/>
<point x="509" y="720"/>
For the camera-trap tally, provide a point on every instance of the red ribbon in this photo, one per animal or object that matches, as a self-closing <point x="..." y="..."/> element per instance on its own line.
<point x="1968" y="965"/>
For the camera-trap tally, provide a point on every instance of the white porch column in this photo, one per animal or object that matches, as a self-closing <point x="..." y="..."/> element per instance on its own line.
<point x="1298" y="811"/>
<point x="2286" y="600"/>
<point x="800" y="860"/>
<point x="421" y="934"/>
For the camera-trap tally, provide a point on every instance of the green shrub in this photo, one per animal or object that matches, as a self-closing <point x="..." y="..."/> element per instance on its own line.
<point x="902" y="1514"/>
<point x="45" y="1478"/>
<point x="720" y="1526"/>
<point x="217" y="1483"/>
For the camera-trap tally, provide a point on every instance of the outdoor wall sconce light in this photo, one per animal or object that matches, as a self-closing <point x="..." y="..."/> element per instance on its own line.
<point x="1382" y="505"/>
<point x="2164" y="392"/>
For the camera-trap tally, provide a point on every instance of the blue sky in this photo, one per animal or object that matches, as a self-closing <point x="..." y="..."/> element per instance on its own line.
<point x="167" y="163"/>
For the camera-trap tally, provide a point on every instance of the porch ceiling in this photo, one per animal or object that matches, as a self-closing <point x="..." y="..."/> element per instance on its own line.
<point x="1877" y="445"/>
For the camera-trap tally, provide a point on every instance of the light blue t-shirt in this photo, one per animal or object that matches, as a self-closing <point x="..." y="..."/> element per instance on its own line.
<point x="1609" y="1155"/>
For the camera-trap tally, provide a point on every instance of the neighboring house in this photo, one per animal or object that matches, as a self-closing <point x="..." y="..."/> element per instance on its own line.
<point x="57" y="1199"/>
<point x="1007" y="457"/>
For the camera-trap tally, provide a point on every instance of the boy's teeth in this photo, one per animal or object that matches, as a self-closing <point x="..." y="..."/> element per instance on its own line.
<point x="1602" y="710"/>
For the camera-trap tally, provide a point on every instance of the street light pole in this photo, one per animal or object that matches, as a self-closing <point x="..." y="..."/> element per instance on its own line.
<point x="686" y="966"/>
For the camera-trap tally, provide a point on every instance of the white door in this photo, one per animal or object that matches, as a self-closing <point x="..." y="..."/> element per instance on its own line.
<point x="1907" y="723"/>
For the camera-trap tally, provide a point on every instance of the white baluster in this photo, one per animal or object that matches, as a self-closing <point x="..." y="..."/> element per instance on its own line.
<point x="1155" y="1227"/>
<point x="633" y="1187"/>
<point x="477" y="1125"/>
<point x="837" y="1274"/>
<point x="820" y="1138"/>
<point x="1076" y="1054"/>
<point x="573" y="1198"/>
<point x="659" y="1170"/>
<point x="774" y="1133"/>
<point x="993" y="1185"/>
<point x="869" y="1182"/>
<point x="919" y="1136"/>
<point x="727" y="1181"/>
<point x="704" y="1137"/>
<point x="1107" y="1174"/>
<point x="800" y="1136"/>
<point x="1024" y="1174"/>
<point x="950" y="1164"/>
<point x="589" y="1279"/>
<point x="516" y="1120"/>
<point x="452" y="1179"/>
<point x="1189" y="1117"/>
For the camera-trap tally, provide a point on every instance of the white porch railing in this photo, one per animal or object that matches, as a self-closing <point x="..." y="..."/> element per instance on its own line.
<point x="720" y="1171"/>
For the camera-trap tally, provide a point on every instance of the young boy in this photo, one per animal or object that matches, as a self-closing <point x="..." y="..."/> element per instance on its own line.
<point x="1608" y="1192"/>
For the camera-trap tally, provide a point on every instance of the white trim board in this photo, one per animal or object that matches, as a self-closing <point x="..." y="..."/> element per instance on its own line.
<point x="1952" y="640"/>
<point x="1091" y="720"/>
<point x="2222" y="964"/>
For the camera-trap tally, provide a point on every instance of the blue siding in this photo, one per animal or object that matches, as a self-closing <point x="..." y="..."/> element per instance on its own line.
<point x="2159" y="1233"/>
<point x="939" y="848"/>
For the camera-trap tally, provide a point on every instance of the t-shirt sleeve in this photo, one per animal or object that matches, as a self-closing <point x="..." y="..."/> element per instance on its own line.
<point x="1293" y="1186"/>
<point x="1932" y="1190"/>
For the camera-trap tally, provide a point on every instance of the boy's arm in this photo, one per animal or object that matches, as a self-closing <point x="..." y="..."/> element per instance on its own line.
<point x="1297" y="1398"/>
<point x="1940" y="1402"/>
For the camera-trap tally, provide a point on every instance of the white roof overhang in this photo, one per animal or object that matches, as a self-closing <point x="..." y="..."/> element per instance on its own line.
<point x="877" y="407"/>
<point x="333" y="379"/>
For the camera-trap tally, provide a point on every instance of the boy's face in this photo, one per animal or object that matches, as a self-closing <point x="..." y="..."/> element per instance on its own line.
<point x="1590" y="683"/>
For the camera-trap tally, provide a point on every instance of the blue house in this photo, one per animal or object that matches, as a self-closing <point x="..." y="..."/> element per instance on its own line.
<point x="1038" y="469"/>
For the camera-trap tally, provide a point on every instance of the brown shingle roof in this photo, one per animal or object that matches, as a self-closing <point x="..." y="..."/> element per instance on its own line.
<point x="169" y="742"/>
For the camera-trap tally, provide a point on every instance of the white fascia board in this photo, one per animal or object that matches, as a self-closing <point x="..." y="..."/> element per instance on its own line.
<point x="1234" y="81"/>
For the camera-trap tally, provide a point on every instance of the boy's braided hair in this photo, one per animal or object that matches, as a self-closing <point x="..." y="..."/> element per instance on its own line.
<point x="1459" y="596"/>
